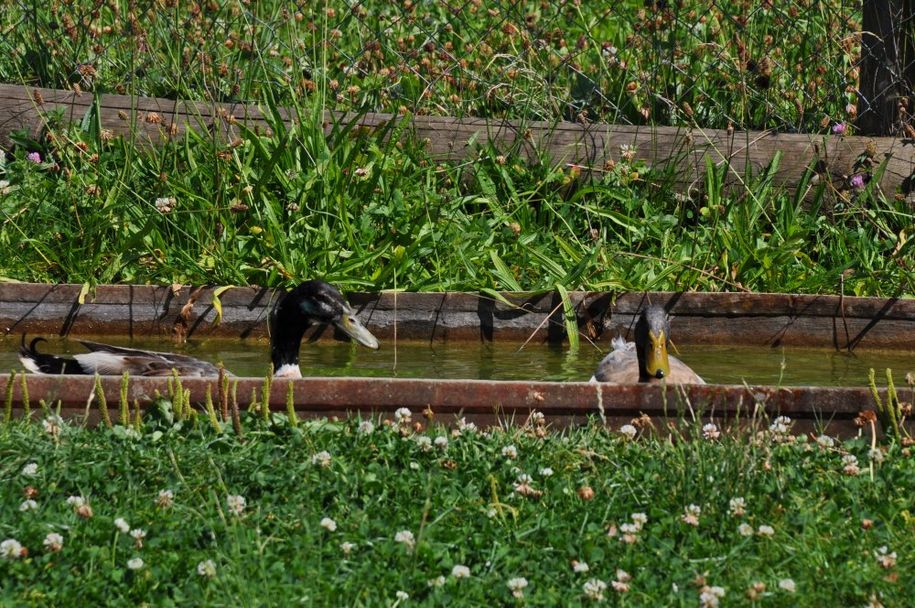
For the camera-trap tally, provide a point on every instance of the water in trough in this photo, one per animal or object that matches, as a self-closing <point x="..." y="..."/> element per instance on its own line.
<point x="504" y="361"/>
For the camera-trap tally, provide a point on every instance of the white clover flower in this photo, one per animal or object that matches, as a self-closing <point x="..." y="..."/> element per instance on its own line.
<point x="441" y="442"/>
<point x="510" y="451"/>
<point x="885" y="558"/>
<point x="787" y="584"/>
<point x="28" y="505"/>
<point x="53" y="425"/>
<point x="135" y="563"/>
<point x="639" y="519"/>
<point x="403" y="416"/>
<point x="30" y="470"/>
<point x="580" y="566"/>
<point x="236" y="504"/>
<point x="121" y="524"/>
<point x="630" y="532"/>
<point x="366" y="427"/>
<point x="524" y="478"/>
<point x="207" y="568"/>
<point x="628" y="528"/>
<point x="629" y="431"/>
<point x="825" y="441"/>
<point x="691" y="515"/>
<point x="414" y="466"/>
<point x="424" y="443"/>
<point x="406" y="538"/>
<point x="710" y="431"/>
<point x="11" y="549"/>
<point x="329" y="524"/>
<point x="165" y="204"/>
<point x="76" y="501"/>
<point x="402" y="596"/>
<point x="627" y="152"/>
<point x="536" y="418"/>
<point x="621" y="584"/>
<point x="710" y="597"/>
<point x="780" y="428"/>
<point x="594" y="589"/>
<point x="138" y="536"/>
<point x="745" y="529"/>
<point x="460" y="571"/>
<point x="491" y="512"/>
<point x="165" y="499"/>
<point x="546" y="472"/>
<point x="850" y="464"/>
<point x="321" y="459"/>
<point x="767" y="531"/>
<point x="438" y="581"/>
<point x="517" y="585"/>
<point x="876" y="455"/>
<point x="53" y="542"/>
<point x="737" y="506"/>
<point x="466" y="427"/>
<point x="347" y="548"/>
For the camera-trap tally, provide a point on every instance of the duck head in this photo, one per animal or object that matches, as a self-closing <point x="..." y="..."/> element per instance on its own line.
<point x="312" y="302"/>
<point x="652" y="332"/>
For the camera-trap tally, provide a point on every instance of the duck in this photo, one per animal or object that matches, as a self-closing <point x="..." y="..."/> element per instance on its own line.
<point x="313" y="302"/>
<point x="646" y="359"/>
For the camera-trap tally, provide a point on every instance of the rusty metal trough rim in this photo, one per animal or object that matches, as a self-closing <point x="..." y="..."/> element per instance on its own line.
<point x="356" y="394"/>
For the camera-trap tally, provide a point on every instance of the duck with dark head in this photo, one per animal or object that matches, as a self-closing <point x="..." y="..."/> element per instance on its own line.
<point x="646" y="359"/>
<point x="311" y="303"/>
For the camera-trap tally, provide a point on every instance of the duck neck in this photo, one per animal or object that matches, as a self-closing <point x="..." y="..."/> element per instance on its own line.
<point x="286" y="332"/>
<point x="641" y="342"/>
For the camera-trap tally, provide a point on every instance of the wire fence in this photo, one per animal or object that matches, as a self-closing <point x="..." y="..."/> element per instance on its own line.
<point x="784" y="65"/>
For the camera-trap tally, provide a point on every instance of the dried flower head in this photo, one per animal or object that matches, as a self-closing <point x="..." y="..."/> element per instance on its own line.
<point x="53" y="542"/>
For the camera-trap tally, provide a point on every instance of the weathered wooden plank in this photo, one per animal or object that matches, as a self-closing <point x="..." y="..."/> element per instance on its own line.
<point x="698" y="318"/>
<point x="154" y="120"/>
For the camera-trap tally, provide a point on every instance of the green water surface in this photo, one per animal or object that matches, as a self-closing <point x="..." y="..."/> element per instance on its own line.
<point x="502" y="361"/>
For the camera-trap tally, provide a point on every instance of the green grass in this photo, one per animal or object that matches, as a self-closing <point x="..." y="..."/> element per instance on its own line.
<point x="782" y="64"/>
<point x="462" y="506"/>
<point x="359" y="211"/>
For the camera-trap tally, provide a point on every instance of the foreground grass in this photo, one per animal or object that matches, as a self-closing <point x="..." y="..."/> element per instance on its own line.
<point x="405" y="510"/>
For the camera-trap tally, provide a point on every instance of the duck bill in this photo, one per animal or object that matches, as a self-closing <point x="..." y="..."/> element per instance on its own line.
<point x="657" y="364"/>
<point x="354" y="328"/>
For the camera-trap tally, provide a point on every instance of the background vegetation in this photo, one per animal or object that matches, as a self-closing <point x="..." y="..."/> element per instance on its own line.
<point x="350" y="207"/>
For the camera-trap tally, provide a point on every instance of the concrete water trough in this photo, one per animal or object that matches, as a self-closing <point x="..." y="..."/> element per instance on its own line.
<point x="764" y="320"/>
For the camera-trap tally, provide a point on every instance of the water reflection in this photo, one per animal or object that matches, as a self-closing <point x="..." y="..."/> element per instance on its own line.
<point x="725" y="365"/>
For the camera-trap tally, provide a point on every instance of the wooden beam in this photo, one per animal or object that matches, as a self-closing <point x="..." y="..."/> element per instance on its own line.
<point x="681" y="149"/>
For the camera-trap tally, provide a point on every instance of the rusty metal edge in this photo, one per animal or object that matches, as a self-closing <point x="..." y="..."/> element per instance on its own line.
<point x="469" y="396"/>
